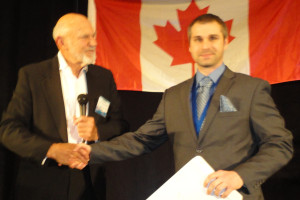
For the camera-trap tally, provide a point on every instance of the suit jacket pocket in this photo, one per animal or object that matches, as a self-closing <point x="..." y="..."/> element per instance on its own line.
<point x="229" y="114"/>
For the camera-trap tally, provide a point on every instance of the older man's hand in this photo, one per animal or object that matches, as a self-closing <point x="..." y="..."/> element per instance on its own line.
<point x="80" y="157"/>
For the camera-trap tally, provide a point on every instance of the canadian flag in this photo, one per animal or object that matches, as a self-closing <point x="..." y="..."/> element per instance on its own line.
<point x="144" y="42"/>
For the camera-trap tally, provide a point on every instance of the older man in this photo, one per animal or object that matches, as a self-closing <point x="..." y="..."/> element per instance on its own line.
<point x="43" y="123"/>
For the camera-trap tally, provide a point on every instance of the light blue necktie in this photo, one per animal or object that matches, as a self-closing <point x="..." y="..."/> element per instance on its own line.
<point x="203" y="95"/>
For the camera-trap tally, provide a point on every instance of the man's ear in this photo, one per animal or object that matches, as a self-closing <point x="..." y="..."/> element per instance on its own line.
<point x="226" y="42"/>
<point x="59" y="42"/>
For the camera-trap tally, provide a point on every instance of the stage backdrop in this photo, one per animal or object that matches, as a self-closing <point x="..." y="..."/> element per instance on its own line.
<point x="145" y="43"/>
<point x="26" y="37"/>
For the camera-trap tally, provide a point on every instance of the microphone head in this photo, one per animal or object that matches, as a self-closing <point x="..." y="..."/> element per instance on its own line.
<point x="82" y="99"/>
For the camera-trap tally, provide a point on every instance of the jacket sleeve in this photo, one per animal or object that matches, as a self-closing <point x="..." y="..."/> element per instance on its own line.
<point x="147" y="138"/>
<point x="274" y="141"/>
<point x="16" y="132"/>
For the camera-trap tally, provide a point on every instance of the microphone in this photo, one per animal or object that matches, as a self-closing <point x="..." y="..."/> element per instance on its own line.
<point x="82" y="100"/>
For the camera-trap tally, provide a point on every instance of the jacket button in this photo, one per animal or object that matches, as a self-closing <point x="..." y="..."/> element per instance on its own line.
<point x="199" y="150"/>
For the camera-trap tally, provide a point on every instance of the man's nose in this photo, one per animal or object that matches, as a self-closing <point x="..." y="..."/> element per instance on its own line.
<point x="205" y="44"/>
<point x="93" y="41"/>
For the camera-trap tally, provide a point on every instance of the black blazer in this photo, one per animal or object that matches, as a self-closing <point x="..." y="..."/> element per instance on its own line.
<point x="35" y="118"/>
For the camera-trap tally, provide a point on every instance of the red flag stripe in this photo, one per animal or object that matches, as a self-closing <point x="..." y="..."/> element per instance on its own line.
<point x="119" y="40"/>
<point x="274" y="28"/>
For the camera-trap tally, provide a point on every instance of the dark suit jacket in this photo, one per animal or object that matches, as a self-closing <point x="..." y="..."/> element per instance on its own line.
<point x="35" y="118"/>
<point x="252" y="141"/>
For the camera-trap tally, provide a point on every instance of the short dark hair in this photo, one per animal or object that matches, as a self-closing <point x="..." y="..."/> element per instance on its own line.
<point x="209" y="18"/>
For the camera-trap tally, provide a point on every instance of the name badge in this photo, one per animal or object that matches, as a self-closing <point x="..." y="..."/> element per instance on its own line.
<point x="102" y="106"/>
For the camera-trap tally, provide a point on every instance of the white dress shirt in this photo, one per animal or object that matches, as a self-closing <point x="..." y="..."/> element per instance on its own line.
<point x="71" y="88"/>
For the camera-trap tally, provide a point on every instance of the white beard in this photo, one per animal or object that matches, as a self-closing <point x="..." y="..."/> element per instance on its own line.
<point x="87" y="60"/>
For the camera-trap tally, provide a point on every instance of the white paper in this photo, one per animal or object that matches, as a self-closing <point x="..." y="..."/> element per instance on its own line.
<point x="187" y="183"/>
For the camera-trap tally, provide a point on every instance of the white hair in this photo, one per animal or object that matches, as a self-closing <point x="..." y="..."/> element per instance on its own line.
<point x="59" y="30"/>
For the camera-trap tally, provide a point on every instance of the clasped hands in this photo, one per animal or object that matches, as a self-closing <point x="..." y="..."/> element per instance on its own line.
<point x="76" y="155"/>
<point x="73" y="155"/>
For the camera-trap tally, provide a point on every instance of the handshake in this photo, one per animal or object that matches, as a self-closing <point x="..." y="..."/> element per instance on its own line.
<point x="74" y="155"/>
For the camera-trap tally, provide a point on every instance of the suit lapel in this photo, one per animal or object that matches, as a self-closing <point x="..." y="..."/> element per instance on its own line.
<point x="92" y="90"/>
<point x="53" y="95"/>
<point x="214" y="107"/>
<point x="187" y="107"/>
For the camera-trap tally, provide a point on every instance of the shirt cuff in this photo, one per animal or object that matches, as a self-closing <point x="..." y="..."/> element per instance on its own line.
<point x="44" y="160"/>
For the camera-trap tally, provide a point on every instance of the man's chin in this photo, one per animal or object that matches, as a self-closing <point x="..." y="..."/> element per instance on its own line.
<point x="88" y="60"/>
<point x="206" y="62"/>
<point x="206" y="65"/>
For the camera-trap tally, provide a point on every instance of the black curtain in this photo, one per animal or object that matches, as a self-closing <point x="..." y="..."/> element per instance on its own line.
<point x="26" y="37"/>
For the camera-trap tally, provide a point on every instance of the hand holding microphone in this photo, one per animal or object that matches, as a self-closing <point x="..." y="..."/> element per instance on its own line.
<point x="85" y="125"/>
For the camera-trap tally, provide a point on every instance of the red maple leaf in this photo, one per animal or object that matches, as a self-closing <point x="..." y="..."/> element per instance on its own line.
<point x="174" y="42"/>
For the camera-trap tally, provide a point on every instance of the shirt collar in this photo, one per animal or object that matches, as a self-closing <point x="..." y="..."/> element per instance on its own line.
<point x="64" y="65"/>
<point x="214" y="76"/>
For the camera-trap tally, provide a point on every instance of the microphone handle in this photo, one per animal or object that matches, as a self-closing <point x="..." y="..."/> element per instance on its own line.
<point x="82" y="110"/>
<point x="83" y="113"/>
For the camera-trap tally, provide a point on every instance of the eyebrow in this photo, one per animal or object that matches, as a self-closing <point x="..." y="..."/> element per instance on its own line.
<point x="217" y="35"/>
<point x="197" y="37"/>
<point x="87" y="35"/>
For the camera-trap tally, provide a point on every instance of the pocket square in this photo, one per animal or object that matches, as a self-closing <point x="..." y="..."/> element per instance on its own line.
<point x="226" y="105"/>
